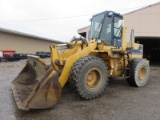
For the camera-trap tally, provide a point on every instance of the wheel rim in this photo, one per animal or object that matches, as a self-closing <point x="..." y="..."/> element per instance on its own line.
<point x="142" y="73"/>
<point x="93" y="78"/>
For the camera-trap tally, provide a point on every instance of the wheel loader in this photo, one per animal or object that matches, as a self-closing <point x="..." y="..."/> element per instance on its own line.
<point x="86" y="65"/>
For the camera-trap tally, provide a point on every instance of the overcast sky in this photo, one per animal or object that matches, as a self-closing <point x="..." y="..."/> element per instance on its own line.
<point x="61" y="19"/>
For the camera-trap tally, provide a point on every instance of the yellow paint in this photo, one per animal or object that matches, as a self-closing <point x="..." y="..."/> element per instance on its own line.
<point x="72" y="59"/>
<point x="114" y="61"/>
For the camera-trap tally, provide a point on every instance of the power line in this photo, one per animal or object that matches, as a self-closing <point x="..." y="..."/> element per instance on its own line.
<point x="45" y="19"/>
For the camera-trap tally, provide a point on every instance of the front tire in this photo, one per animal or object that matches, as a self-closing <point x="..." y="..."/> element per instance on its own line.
<point x="139" y="72"/>
<point x="89" y="77"/>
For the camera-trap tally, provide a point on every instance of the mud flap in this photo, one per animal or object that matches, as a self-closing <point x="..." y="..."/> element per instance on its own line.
<point x="37" y="86"/>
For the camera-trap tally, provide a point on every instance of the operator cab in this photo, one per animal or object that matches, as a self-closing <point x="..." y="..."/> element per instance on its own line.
<point x="107" y="27"/>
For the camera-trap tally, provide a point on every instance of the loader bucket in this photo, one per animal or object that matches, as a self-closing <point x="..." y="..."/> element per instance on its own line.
<point x="37" y="86"/>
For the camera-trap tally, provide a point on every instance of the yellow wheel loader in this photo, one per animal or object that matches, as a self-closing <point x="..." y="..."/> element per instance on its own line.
<point x="86" y="65"/>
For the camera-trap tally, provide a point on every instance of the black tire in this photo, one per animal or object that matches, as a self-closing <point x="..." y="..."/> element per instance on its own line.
<point x="139" y="72"/>
<point x="89" y="77"/>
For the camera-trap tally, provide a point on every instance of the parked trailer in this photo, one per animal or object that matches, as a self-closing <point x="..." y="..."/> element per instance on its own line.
<point x="11" y="55"/>
<point x="8" y="54"/>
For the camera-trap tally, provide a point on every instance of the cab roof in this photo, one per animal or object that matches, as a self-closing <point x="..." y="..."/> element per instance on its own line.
<point x="106" y="13"/>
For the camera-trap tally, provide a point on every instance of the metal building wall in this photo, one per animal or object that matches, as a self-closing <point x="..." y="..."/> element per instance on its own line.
<point x="145" y="22"/>
<point x="84" y="30"/>
<point x="23" y="44"/>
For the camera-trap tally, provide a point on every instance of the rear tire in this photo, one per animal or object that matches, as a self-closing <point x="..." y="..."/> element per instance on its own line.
<point x="139" y="72"/>
<point x="89" y="77"/>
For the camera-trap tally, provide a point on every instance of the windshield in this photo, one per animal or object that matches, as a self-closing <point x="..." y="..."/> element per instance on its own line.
<point x="106" y="32"/>
<point x="96" y="25"/>
<point x="107" y="28"/>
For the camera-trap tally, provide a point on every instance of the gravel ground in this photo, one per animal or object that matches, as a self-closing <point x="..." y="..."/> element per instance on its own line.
<point x="118" y="102"/>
